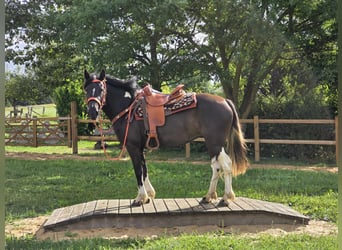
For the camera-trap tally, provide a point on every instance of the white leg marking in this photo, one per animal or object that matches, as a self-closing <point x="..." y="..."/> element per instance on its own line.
<point x="226" y="165"/>
<point x="215" y="167"/>
<point x="142" y="195"/>
<point x="149" y="188"/>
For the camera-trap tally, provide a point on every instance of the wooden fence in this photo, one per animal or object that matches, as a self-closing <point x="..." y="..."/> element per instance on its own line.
<point x="63" y="131"/>
<point x="36" y="132"/>
<point x="257" y="141"/>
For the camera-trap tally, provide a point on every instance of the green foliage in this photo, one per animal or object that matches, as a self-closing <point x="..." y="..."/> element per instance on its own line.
<point x="246" y="46"/>
<point x="64" y="95"/>
<point x="294" y="102"/>
<point x="24" y="89"/>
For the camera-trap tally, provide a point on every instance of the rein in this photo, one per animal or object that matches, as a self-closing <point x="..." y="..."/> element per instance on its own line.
<point x="114" y="120"/>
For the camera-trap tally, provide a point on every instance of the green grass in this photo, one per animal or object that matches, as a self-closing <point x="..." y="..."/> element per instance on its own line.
<point x="43" y="110"/>
<point x="216" y="241"/>
<point x="37" y="187"/>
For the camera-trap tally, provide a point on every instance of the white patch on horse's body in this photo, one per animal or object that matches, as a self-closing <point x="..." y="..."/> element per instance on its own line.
<point x="127" y="95"/>
<point x="221" y="163"/>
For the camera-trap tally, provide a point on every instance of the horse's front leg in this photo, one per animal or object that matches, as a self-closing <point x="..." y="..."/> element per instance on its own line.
<point x="144" y="186"/>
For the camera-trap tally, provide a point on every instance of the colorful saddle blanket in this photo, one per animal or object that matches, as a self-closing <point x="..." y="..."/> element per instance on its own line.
<point x="187" y="101"/>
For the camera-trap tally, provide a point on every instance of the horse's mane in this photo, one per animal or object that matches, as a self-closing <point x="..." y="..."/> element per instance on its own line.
<point x="130" y="85"/>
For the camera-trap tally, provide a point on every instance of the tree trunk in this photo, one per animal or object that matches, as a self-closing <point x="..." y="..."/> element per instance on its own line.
<point x="154" y="67"/>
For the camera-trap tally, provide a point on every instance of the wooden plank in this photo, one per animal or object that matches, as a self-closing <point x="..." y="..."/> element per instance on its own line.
<point x="171" y="213"/>
<point x="194" y="204"/>
<point x="208" y="207"/>
<point x="53" y="217"/>
<point x="172" y="206"/>
<point x="282" y="209"/>
<point x="244" y="205"/>
<point x="234" y="206"/>
<point x="137" y="209"/>
<point x="305" y="142"/>
<point x="297" y="121"/>
<point x="259" y="206"/>
<point x="89" y="209"/>
<point x="101" y="207"/>
<point x="160" y="206"/>
<point x="113" y="207"/>
<point x="149" y="208"/>
<point x="183" y="205"/>
<point x="276" y="207"/>
<point x="65" y="214"/>
<point x="77" y="211"/>
<point x="125" y="207"/>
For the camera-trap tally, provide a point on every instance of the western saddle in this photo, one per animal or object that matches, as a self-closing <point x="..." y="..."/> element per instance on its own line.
<point x="153" y="103"/>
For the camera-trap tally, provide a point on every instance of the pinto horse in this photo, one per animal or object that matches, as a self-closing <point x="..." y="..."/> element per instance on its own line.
<point x="214" y="118"/>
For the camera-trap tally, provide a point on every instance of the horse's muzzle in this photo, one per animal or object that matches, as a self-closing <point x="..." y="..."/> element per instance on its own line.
<point x="93" y="110"/>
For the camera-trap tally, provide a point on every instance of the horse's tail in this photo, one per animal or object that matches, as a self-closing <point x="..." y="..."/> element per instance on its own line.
<point x="237" y="149"/>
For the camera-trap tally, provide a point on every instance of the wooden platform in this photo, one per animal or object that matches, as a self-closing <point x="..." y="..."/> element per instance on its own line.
<point x="170" y="213"/>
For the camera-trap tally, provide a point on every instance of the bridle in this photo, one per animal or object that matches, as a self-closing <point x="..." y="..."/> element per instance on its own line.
<point x="102" y="103"/>
<point x="102" y="100"/>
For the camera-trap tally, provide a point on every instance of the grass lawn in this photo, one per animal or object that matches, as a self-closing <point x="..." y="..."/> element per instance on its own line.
<point x="43" y="110"/>
<point x="36" y="187"/>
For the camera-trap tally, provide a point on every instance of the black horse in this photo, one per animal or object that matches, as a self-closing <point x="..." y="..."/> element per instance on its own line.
<point x="214" y="118"/>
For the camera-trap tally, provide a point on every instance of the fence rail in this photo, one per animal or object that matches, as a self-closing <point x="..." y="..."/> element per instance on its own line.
<point x="257" y="141"/>
<point x="46" y="131"/>
<point x="37" y="131"/>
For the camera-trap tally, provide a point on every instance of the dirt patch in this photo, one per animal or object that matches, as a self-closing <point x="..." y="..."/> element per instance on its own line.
<point x="33" y="227"/>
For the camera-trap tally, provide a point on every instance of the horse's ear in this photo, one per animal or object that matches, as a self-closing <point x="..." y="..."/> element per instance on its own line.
<point x="102" y="75"/>
<point x="86" y="75"/>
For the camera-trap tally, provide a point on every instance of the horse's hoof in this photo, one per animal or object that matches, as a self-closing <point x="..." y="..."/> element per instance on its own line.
<point x="222" y="203"/>
<point x="139" y="203"/>
<point x="204" y="201"/>
<point x="136" y="203"/>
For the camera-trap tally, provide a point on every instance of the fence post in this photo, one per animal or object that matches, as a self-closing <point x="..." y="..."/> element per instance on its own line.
<point x="187" y="150"/>
<point x="256" y="139"/>
<point x="34" y="131"/>
<point x="69" y="125"/>
<point x="74" y="139"/>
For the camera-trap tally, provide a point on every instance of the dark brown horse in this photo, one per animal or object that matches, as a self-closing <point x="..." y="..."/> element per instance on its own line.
<point x="214" y="118"/>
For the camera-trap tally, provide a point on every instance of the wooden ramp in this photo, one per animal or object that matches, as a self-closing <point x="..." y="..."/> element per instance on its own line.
<point x="170" y="213"/>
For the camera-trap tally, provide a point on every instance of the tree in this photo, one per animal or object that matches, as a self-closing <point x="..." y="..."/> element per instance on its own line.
<point x="244" y="45"/>
<point x="24" y="89"/>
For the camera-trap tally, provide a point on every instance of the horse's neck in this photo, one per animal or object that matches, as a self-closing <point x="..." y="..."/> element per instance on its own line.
<point x="115" y="105"/>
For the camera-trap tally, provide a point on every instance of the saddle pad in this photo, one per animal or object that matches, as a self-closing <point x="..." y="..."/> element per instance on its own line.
<point x="187" y="102"/>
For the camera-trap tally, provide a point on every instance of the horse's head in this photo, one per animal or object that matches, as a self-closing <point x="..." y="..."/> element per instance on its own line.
<point x="95" y="88"/>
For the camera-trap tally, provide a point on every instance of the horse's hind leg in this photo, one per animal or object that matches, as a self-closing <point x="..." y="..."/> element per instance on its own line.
<point x="226" y="165"/>
<point x="212" y="195"/>
<point x="148" y="186"/>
